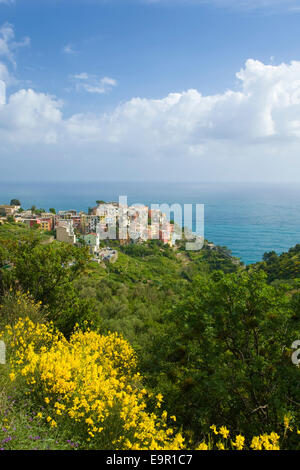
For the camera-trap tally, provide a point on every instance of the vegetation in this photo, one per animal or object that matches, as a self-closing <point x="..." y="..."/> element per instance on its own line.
<point x="161" y="349"/>
<point x="285" y="266"/>
<point x="15" y="202"/>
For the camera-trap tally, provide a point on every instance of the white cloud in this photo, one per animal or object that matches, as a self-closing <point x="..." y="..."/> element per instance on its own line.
<point x="92" y="84"/>
<point x="4" y="73"/>
<point x="6" y="37"/>
<point x="2" y="92"/>
<point x="250" y="132"/>
<point x="30" y="117"/>
<point x="81" y="76"/>
<point x="8" y="45"/>
<point x="68" y="49"/>
<point x="264" y="107"/>
<point x="108" y="81"/>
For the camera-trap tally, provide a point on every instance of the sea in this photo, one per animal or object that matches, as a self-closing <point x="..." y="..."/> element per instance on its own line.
<point x="250" y="219"/>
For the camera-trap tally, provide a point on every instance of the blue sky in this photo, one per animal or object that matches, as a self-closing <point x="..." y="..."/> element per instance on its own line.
<point x="150" y="49"/>
<point x="109" y="78"/>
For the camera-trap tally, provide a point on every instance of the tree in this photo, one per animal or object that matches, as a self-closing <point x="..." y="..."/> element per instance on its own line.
<point x="15" y="202"/>
<point x="270" y="257"/>
<point x="52" y="210"/>
<point x="39" y="211"/>
<point x="227" y="352"/>
<point x="48" y="272"/>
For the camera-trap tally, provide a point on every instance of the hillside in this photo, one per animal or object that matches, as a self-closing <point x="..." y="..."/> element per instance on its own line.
<point x="210" y="338"/>
<point x="285" y="266"/>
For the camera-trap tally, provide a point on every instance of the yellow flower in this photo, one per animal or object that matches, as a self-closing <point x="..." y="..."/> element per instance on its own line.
<point x="214" y="428"/>
<point x="159" y="398"/>
<point x="286" y="422"/>
<point x="224" y="432"/>
<point x="12" y="376"/>
<point x="202" y="446"/>
<point x="256" y="443"/>
<point x="239" y="442"/>
<point x="94" y="377"/>
<point x="274" y="437"/>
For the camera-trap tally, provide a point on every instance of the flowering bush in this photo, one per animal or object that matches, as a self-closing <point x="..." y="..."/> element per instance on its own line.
<point x="87" y="392"/>
<point x="89" y="387"/>
<point x="225" y="442"/>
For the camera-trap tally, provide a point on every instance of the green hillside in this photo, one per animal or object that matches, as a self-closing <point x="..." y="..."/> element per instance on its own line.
<point x="212" y="338"/>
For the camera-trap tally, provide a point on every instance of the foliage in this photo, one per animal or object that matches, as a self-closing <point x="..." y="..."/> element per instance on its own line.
<point x="16" y="305"/>
<point x="86" y="394"/>
<point x="284" y="266"/>
<point x="15" y="202"/>
<point x="47" y="271"/>
<point x="227" y="351"/>
<point x="210" y="335"/>
<point x="88" y="386"/>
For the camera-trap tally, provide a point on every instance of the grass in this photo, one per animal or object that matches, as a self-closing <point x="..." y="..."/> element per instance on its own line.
<point x="16" y="231"/>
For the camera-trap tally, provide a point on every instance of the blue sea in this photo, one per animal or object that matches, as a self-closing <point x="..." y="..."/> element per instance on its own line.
<point x="250" y="219"/>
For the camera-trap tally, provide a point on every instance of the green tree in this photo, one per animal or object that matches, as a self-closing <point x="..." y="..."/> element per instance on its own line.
<point x="48" y="272"/>
<point x="15" y="202"/>
<point x="39" y="211"/>
<point x="227" y="352"/>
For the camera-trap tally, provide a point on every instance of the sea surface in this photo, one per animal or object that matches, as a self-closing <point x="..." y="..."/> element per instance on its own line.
<point x="250" y="219"/>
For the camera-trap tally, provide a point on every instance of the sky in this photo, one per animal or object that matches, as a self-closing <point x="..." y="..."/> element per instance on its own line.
<point x="150" y="90"/>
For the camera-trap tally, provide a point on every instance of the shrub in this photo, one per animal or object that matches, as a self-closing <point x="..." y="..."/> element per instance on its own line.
<point x="88" y="387"/>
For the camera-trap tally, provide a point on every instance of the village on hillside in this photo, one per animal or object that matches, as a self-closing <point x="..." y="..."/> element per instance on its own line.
<point x="105" y="221"/>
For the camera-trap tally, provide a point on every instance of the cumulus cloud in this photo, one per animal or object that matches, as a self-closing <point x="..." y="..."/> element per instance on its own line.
<point x="186" y="133"/>
<point x="30" y="117"/>
<point x="92" y="84"/>
<point x="267" y="105"/>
